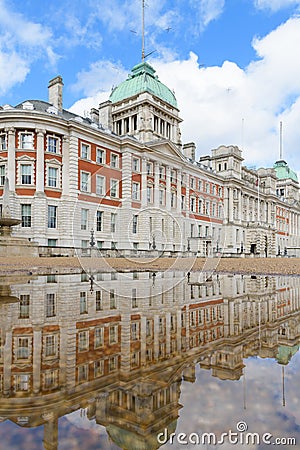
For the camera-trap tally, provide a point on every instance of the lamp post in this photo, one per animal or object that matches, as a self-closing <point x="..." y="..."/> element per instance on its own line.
<point x="92" y="240"/>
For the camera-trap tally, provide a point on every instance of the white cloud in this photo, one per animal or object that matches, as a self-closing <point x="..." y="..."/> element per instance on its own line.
<point x="13" y="70"/>
<point x="210" y="10"/>
<point x="101" y="76"/>
<point x="275" y="5"/>
<point x="216" y="101"/>
<point x="21" y="42"/>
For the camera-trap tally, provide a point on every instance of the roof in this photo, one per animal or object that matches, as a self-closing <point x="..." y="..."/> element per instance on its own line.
<point x="143" y="79"/>
<point x="283" y="171"/>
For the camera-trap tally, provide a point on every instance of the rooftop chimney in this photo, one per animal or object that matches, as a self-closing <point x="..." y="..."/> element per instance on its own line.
<point x="55" y="92"/>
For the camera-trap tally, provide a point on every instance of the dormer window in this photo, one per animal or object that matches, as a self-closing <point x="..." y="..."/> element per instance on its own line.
<point x="26" y="141"/>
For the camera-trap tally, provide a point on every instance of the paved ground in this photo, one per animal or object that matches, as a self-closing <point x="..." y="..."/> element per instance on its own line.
<point x="21" y="265"/>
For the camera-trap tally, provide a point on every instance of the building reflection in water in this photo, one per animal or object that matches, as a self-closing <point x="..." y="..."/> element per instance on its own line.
<point x="120" y="344"/>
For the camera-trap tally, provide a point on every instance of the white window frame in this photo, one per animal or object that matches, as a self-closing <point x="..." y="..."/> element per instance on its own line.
<point x="136" y="164"/>
<point x="102" y="159"/>
<point x="26" y="144"/>
<point x="85" y="154"/>
<point x="51" y="147"/>
<point x="85" y="186"/>
<point x="114" y="187"/>
<point x="2" y="174"/>
<point x="3" y="141"/>
<point x="114" y="160"/>
<point x="136" y="191"/>
<point x="21" y="174"/>
<point x="50" y="179"/>
<point x="84" y="219"/>
<point x="100" y="185"/>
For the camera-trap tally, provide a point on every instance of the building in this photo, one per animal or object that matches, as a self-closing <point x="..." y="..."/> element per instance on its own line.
<point x="123" y="177"/>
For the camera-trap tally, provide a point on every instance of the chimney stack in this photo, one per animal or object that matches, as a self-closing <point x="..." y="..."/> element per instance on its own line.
<point x="55" y="92"/>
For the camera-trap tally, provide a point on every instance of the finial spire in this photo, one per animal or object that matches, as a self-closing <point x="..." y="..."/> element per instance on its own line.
<point x="143" y="30"/>
<point x="280" y="142"/>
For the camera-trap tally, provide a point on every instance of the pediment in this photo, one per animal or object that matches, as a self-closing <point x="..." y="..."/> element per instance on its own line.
<point x="25" y="158"/>
<point x="167" y="148"/>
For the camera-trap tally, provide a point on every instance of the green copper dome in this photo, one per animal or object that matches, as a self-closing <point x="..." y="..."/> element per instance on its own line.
<point x="283" y="171"/>
<point x="142" y="79"/>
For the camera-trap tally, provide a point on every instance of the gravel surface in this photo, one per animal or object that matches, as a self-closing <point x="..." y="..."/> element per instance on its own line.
<point x="22" y="265"/>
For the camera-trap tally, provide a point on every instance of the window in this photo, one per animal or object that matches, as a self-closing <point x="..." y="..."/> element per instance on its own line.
<point x="173" y="176"/>
<point x="173" y="199"/>
<point x="50" y="379"/>
<point x="182" y="202"/>
<point x="136" y="165"/>
<point x="100" y="183"/>
<point x="99" y="337"/>
<point x="100" y="156"/>
<point x="83" y="341"/>
<point x="134" y="298"/>
<point x="2" y="175"/>
<point x="84" y="181"/>
<point x="84" y="219"/>
<point x="52" y="144"/>
<point x="135" y="331"/>
<point x="50" y="306"/>
<point x="112" y="363"/>
<point x="83" y="373"/>
<point x="193" y="204"/>
<point x="52" y="242"/>
<point x="149" y="194"/>
<point x="134" y="224"/>
<point x="24" y="306"/>
<point x="135" y="191"/>
<point x="50" y="345"/>
<point x="112" y="299"/>
<point x="114" y="188"/>
<point x="113" y="218"/>
<point x="85" y="150"/>
<point x="22" y="382"/>
<point x="113" y="334"/>
<point x="52" y="177"/>
<point x="98" y="368"/>
<point x="114" y="160"/>
<point x="52" y="216"/>
<point x="3" y="145"/>
<point x="83" y="303"/>
<point x="26" y="216"/>
<point x="192" y="182"/>
<point x="26" y="174"/>
<point x="161" y="196"/>
<point x="26" y="140"/>
<point x="149" y="169"/>
<point x="161" y="172"/>
<point x="23" y="348"/>
<point x="99" y="219"/>
<point x="99" y="305"/>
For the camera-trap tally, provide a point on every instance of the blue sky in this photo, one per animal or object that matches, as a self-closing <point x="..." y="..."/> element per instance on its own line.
<point x="234" y="64"/>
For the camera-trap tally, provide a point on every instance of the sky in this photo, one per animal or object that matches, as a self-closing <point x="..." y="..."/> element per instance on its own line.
<point x="234" y="64"/>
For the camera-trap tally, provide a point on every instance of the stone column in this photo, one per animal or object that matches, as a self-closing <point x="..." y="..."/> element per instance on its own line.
<point x="144" y="182"/>
<point x="37" y="356"/>
<point x="156" y="185"/>
<point x="40" y="164"/>
<point x="168" y="188"/>
<point x="230" y="205"/>
<point x="11" y="158"/>
<point x="7" y="363"/>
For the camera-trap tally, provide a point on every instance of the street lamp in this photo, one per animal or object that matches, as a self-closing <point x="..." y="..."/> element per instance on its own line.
<point x="92" y="240"/>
